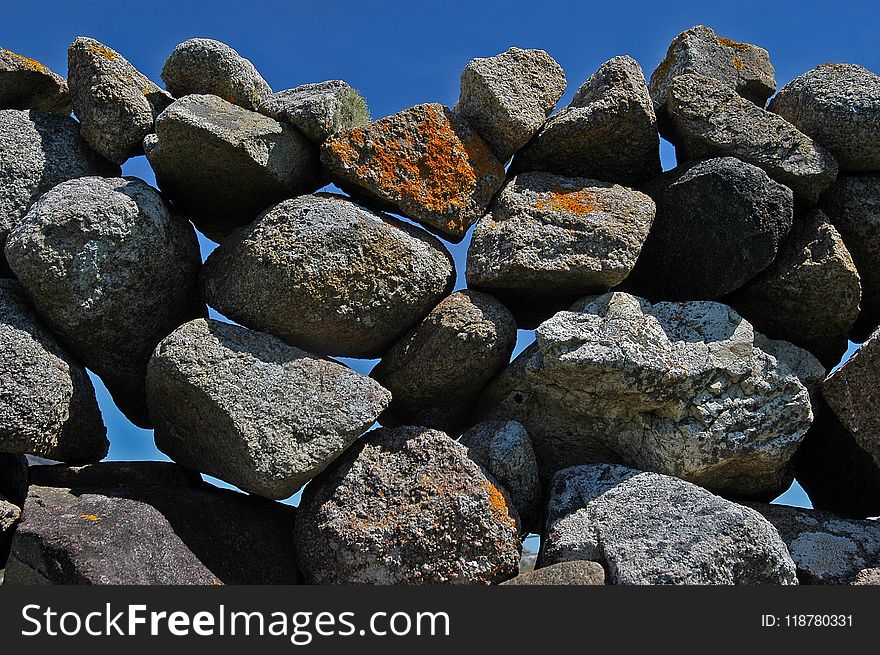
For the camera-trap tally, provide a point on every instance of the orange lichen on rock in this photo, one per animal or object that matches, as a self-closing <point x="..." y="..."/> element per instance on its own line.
<point x="90" y="517"/>
<point x="736" y="45"/>
<point x="32" y="64"/>
<point x="498" y="503"/>
<point x="578" y="202"/>
<point x="738" y="63"/>
<point x="102" y="51"/>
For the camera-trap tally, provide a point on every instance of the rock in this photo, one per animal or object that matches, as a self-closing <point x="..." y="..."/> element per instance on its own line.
<point x="318" y="110"/>
<point x="868" y="577"/>
<point x="422" y="162"/>
<point x="9" y="517"/>
<point x="136" y="530"/>
<point x="325" y="274"/>
<point x="509" y="96"/>
<point x="719" y="223"/>
<point x="111" y="271"/>
<point x="249" y="409"/>
<point x="608" y="132"/>
<point x="685" y="389"/>
<point x="209" y="67"/>
<point x="47" y="402"/>
<point x="406" y="506"/>
<point x="222" y="165"/>
<point x="838" y="105"/>
<point x="27" y="84"/>
<point x="712" y="120"/>
<point x="115" y="103"/>
<point x="549" y="240"/>
<point x="437" y="370"/>
<point x="505" y="452"/>
<point x="563" y="573"/>
<point x="809" y="295"/>
<point x="13" y="477"/>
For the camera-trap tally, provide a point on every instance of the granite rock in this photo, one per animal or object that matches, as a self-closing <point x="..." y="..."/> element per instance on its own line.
<point x="563" y="573"/>
<point x="25" y="83"/>
<point x="318" y="110"/>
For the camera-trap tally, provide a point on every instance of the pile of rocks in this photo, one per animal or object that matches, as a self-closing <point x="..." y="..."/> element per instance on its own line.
<point x="684" y="323"/>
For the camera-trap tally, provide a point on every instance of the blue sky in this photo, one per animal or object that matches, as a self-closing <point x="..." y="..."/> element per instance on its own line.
<point x="403" y="53"/>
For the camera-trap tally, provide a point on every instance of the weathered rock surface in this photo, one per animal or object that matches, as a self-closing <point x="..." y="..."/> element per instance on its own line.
<point x="115" y="103"/>
<point x="685" y="389"/>
<point x="719" y="223"/>
<point x="564" y="573"/>
<point x="549" y="240"/>
<point x="206" y="66"/>
<point x="839" y="106"/>
<point x="509" y="96"/>
<point x="251" y="410"/>
<point x="438" y="369"/>
<point x="406" y="506"/>
<point x="318" y="110"/>
<point x="608" y="132"/>
<point x="25" y="83"/>
<point x="712" y="120"/>
<point x="646" y="528"/>
<point x="868" y="577"/>
<point x="111" y="271"/>
<point x="328" y="275"/>
<point x="10" y="513"/>
<point x="422" y="162"/>
<point x="147" y="523"/>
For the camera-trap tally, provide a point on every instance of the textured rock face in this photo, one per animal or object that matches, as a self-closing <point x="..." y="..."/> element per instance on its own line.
<point x="406" y="506"/>
<point x="563" y="573"/>
<point x="222" y="165"/>
<point x="719" y="223"/>
<point x="47" y="402"/>
<point x="27" y="84"/>
<point x="868" y="577"/>
<point x="147" y="523"/>
<point x="438" y="369"/>
<point x="608" y="132"/>
<point x="111" y="271"/>
<point x="327" y="275"/>
<point x="318" y="110"/>
<point x="210" y="387"/>
<point x="549" y="240"/>
<point x="685" y="389"/>
<point x="206" y="66"/>
<point x="422" y="162"/>
<point x="115" y="103"/>
<point x="839" y="106"/>
<point x="507" y="97"/>
<point x="712" y="120"/>
<point x="809" y="295"/>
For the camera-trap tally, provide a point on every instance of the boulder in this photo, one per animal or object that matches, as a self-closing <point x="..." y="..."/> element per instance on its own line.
<point x="25" y="83"/>
<point x="111" y="270"/>
<point x="328" y="275"/>
<point x="868" y="577"/>
<point x="406" y="506"/>
<point x="318" y="110"/>
<point x="563" y="573"/>
<point x="249" y="409"/>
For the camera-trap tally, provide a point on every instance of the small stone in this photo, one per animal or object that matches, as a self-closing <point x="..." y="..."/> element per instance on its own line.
<point x="838" y="105"/>
<point x="209" y="67"/>
<point x="650" y="529"/>
<point x="549" y="240"/>
<point x="868" y="577"/>
<point x="608" y="132"/>
<point x="329" y="276"/>
<point x="115" y="103"/>
<point x="318" y="110"/>
<point x="564" y="573"/>
<point x="422" y="162"/>
<point x="509" y="96"/>
<point x="437" y="370"/>
<point x="111" y="270"/>
<point x="249" y="409"/>
<point x="406" y="506"/>
<point x="27" y="84"/>
<point x="222" y="165"/>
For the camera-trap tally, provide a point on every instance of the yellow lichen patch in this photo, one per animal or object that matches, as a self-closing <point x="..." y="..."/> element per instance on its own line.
<point x="32" y="64"/>
<point x="577" y="202"/>
<point x="90" y="517"/>
<point x="738" y="63"/>
<point x="736" y="45"/>
<point x="215" y="581"/>
<point x="832" y="65"/>
<point x="498" y="504"/>
<point x="102" y="51"/>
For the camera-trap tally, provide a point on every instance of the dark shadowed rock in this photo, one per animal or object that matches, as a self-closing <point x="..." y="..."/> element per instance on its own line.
<point x="564" y="573"/>
<point x="25" y="83"/>
<point x="13" y="477"/>
<point x="318" y="110"/>
<point x="868" y="577"/>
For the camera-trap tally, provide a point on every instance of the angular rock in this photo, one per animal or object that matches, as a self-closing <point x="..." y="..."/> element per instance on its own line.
<point x="147" y="523"/>
<point x="115" y="103"/>
<point x="318" y="110"/>
<point x="422" y="162"/>
<point x="509" y="96"/>
<point x="712" y="120"/>
<point x="222" y="165"/>
<point x="437" y="370"/>
<point x="838" y="105"/>
<point x="111" y="271"/>
<point x="868" y="577"/>
<point x="684" y="389"/>
<point x="27" y="84"/>
<point x="209" y="67"/>
<point x="549" y="240"/>
<point x="249" y="409"/>
<point x="406" y="506"/>
<point x="563" y="573"/>
<point x="719" y="223"/>
<point x="328" y="275"/>
<point x="608" y="132"/>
